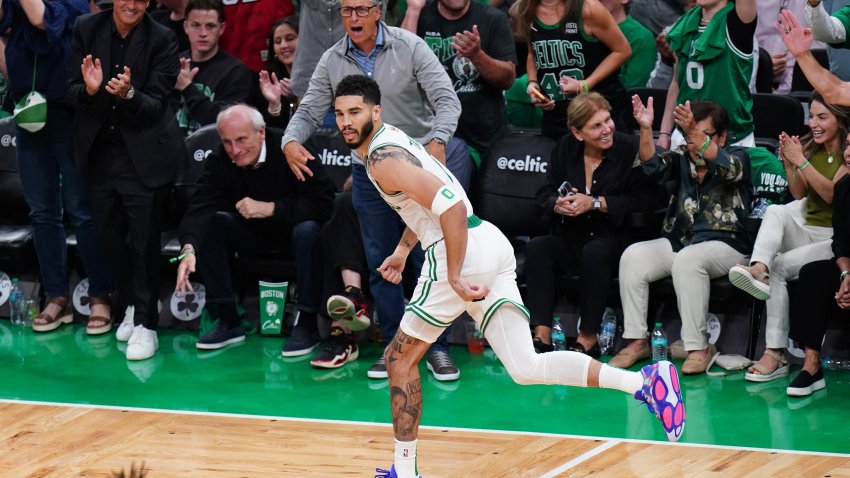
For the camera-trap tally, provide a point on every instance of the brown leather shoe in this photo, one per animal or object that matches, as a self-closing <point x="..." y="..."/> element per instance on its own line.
<point x="45" y="322"/>
<point x="627" y="357"/>
<point x="698" y="363"/>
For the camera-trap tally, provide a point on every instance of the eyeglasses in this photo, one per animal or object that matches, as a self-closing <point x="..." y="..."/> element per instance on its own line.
<point x="361" y="11"/>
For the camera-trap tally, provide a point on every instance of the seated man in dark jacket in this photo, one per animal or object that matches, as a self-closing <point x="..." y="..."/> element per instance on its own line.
<point x="248" y="201"/>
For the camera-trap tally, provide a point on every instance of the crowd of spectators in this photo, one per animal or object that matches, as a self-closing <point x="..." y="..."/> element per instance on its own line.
<point x="126" y="81"/>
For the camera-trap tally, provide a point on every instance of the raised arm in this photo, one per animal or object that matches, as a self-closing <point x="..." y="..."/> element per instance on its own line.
<point x="825" y="27"/>
<point x="799" y="43"/>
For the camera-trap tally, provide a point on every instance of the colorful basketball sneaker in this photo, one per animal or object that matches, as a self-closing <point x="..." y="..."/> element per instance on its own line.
<point x="350" y="309"/>
<point x="382" y="473"/>
<point x="663" y="397"/>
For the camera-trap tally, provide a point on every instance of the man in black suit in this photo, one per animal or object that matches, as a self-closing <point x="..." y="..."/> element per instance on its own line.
<point x="249" y="201"/>
<point x="127" y="141"/>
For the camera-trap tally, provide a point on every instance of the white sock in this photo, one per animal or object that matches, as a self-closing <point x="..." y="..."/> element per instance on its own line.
<point x="617" y="379"/>
<point x="405" y="459"/>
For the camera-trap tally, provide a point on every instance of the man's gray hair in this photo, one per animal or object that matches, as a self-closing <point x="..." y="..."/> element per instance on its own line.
<point x="257" y="121"/>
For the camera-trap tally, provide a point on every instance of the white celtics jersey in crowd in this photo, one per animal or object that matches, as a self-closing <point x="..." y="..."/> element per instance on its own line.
<point x="420" y="219"/>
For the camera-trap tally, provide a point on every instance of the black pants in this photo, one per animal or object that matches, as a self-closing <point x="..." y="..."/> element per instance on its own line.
<point x="230" y="233"/>
<point x="597" y="262"/>
<point x="813" y="303"/>
<point x="342" y="248"/>
<point x="127" y="217"/>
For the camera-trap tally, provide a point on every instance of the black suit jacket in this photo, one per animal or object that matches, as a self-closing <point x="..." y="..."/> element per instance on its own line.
<point x="146" y="121"/>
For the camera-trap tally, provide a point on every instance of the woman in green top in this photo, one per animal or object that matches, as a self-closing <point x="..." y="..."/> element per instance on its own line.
<point x="792" y="235"/>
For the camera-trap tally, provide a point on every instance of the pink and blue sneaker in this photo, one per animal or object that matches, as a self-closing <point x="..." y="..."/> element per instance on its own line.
<point x="663" y="397"/>
<point x="382" y="473"/>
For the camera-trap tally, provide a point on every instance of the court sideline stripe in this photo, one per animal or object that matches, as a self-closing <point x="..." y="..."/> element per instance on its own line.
<point x="428" y="427"/>
<point x="580" y="459"/>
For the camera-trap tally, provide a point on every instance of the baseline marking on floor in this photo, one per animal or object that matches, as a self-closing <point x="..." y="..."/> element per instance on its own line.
<point x="580" y="459"/>
<point x="429" y="427"/>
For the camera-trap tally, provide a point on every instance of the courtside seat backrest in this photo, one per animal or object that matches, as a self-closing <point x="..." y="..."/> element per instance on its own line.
<point x="659" y="97"/>
<point x="199" y="145"/>
<point x="327" y="146"/>
<point x="508" y="181"/>
<point x="773" y="114"/>
<point x="12" y="202"/>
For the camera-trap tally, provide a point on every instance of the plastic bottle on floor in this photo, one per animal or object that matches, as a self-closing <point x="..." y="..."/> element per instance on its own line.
<point x="659" y="343"/>
<point x="474" y="339"/>
<point x="558" y="337"/>
<point x="17" y="302"/>
<point x="607" y="331"/>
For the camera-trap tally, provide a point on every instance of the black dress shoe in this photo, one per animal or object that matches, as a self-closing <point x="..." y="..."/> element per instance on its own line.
<point x="805" y="384"/>
<point x="594" y="351"/>
<point x="541" y="347"/>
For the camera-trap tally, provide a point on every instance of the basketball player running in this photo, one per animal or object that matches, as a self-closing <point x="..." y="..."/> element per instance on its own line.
<point x="469" y="266"/>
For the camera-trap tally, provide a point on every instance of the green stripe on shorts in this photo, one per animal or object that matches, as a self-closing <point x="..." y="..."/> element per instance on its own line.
<point x="419" y="312"/>
<point x="495" y="306"/>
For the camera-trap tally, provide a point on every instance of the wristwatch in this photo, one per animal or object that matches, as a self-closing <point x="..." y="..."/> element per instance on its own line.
<point x="130" y="94"/>
<point x="438" y="140"/>
<point x="597" y="203"/>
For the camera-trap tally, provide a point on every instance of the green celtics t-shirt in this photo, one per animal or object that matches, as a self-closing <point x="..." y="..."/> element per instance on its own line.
<point x="768" y="173"/>
<point x="483" y="118"/>
<point x="635" y="72"/>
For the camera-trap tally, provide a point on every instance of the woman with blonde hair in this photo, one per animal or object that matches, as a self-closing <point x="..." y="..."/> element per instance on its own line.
<point x="592" y="186"/>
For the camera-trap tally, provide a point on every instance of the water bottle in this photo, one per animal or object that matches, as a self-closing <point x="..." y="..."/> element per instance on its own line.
<point x="659" y="343"/>
<point x="474" y="339"/>
<point x="829" y="363"/>
<point x="759" y="208"/>
<point x="558" y="338"/>
<point x="17" y="302"/>
<point x="607" y="331"/>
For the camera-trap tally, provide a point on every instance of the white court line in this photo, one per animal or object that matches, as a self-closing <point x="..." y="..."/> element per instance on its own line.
<point x="580" y="459"/>
<point x="427" y="427"/>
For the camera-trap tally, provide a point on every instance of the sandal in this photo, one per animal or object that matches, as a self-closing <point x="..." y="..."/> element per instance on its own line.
<point x="106" y="322"/>
<point x="766" y="375"/>
<point x="741" y="277"/>
<point x="51" y="322"/>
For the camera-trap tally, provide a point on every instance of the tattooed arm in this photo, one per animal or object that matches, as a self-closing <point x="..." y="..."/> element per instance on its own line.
<point x="393" y="266"/>
<point x="395" y="169"/>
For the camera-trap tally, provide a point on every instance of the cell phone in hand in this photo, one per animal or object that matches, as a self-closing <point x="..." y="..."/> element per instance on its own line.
<point x="566" y="189"/>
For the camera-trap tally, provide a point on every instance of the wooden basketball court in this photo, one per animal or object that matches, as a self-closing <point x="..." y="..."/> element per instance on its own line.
<point x="57" y="440"/>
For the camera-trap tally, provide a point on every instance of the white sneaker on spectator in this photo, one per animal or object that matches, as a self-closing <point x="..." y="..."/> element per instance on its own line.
<point x="142" y="344"/>
<point x="125" y="330"/>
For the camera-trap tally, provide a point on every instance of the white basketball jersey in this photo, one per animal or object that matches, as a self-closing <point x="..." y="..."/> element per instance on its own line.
<point x="419" y="219"/>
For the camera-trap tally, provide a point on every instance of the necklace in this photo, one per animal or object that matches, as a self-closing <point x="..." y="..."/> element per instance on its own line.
<point x="830" y="159"/>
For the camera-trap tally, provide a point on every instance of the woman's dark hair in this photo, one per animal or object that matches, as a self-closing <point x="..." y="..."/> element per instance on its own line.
<point x="523" y="13"/>
<point x="359" y="85"/>
<point x="274" y="65"/>
<point x="842" y="117"/>
<point x="703" y="109"/>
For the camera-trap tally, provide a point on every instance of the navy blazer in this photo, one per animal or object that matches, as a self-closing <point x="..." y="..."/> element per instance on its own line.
<point x="146" y="121"/>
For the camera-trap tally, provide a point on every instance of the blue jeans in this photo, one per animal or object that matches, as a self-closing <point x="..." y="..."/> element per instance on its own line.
<point x="381" y="229"/>
<point x="229" y="232"/>
<point x="50" y="182"/>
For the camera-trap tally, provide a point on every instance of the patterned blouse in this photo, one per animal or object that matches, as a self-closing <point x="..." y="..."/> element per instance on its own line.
<point x="713" y="210"/>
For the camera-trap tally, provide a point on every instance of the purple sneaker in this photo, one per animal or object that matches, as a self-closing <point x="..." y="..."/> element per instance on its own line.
<point x="663" y="397"/>
<point x="382" y="473"/>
